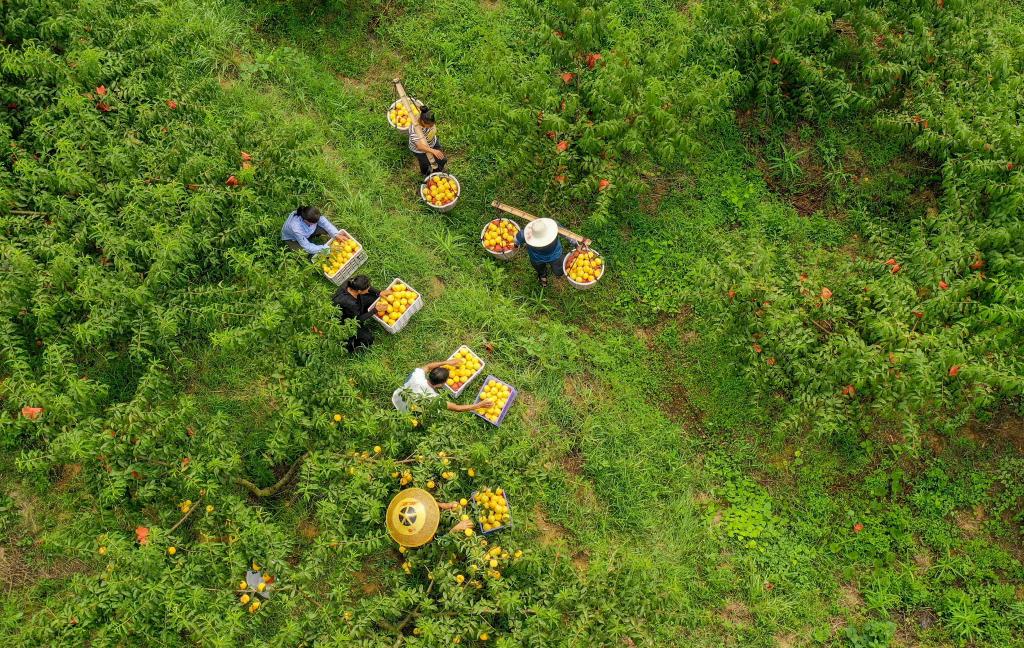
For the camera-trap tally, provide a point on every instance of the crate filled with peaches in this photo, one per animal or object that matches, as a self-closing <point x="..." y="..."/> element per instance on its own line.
<point x="396" y="305"/>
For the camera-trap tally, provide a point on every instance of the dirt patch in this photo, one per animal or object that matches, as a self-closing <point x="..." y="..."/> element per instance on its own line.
<point x="736" y="613"/>
<point x="551" y="534"/>
<point x="436" y="287"/>
<point x="584" y="388"/>
<point x="532" y="410"/>
<point x="658" y="188"/>
<point x="308" y="530"/>
<point x="364" y="579"/>
<point x="1004" y="432"/>
<point x="970" y="521"/>
<point x="68" y="474"/>
<point x="17" y="569"/>
<point x="850" y="596"/>
<point x="787" y="640"/>
<point x="581" y="561"/>
<point x="923" y="560"/>
<point x="490" y="5"/>
<point x="572" y="463"/>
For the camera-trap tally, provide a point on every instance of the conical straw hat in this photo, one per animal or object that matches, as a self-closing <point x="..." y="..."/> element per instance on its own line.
<point x="412" y="517"/>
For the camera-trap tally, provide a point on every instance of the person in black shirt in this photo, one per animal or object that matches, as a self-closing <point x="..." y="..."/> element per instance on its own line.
<point x="354" y="300"/>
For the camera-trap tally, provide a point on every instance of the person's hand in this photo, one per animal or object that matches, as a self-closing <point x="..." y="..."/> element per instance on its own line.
<point x="484" y="404"/>
<point x="438" y="153"/>
<point x="457" y="362"/>
<point x="339" y="236"/>
<point x="447" y="506"/>
<point x="586" y="243"/>
<point x="462" y="526"/>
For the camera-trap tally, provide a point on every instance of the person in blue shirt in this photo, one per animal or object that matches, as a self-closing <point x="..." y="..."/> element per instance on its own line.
<point x="303" y="224"/>
<point x="545" y="249"/>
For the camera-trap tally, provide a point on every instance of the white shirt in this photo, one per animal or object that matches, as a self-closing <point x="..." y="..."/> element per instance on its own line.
<point x="418" y="385"/>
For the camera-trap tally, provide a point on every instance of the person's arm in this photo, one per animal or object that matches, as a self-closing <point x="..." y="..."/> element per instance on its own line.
<point x="327" y="226"/>
<point x="420" y="141"/>
<point x="427" y="368"/>
<point x="453" y="407"/>
<point x="374" y="295"/>
<point x="462" y="526"/>
<point x="305" y="243"/>
<point x="521" y="237"/>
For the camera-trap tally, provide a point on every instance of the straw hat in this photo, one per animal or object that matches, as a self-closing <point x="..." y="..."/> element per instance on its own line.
<point x="412" y="517"/>
<point x="540" y="232"/>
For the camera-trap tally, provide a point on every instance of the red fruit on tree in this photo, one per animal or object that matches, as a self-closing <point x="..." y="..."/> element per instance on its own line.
<point x="101" y="91"/>
<point x="172" y="104"/>
<point x="103" y="107"/>
<point x="142" y="534"/>
<point x="943" y="285"/>
<point x="890" y="262"/>
<point x="185" y="461"/>
<point x="31" y="413"/>
<point x="896" y="268"/>
<point x="563" y="146"/>
<point x="560" y="179"/>
<point x="918" y="314"/>
<point x="232" y="181"/>
<point x="732" y="295"/>
<point x="826" y="294"/>
<point x="552" y="135"/>
<point x="775" y="61"/>
<point x="567" y="77"/>
<point x="601" y="186"/>
<point x="757" y="348"/>
<point x="592" y="60"/>
<point x="771" y="362"/>
<point x="246" y="157"/>
<point x="1009" y="166"/>
<point x="849" y="390"/>
<point x="954" y="370"/>
<point x="857" y="528"/>
<point x="978" y="263"/>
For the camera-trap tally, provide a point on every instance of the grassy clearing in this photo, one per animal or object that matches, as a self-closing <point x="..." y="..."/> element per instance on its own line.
<point x="641" y="464"/>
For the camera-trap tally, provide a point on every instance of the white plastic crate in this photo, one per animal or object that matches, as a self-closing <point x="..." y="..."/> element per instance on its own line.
<point x="577" y="284"/>
<point x="457" y="392"/>
<point x="406" y="316"/>
<point x="444" y="208"/>
<point x="504" y="256"/>
<point x="350" y="267"/>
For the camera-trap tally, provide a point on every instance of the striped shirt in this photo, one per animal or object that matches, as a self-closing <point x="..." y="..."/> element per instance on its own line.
<point x="414" y="139"/>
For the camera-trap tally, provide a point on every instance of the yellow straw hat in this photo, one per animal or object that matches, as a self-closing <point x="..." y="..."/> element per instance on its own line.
<point x="412" y="517"/>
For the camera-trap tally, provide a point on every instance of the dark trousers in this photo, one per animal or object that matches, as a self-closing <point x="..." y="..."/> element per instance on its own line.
<point x="362" y="340"/>
<point x="542" y="268"/>
<point x="425" y="167"/>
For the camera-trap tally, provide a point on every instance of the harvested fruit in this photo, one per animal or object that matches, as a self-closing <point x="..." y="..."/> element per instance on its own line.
<point x="342" y="251"/>
<point x="441" y="190"/>
<point x="394" y="301"/>
<point x="500" y="235"/>
<point x="498" y="393"/>
<point x="459" y="375"/>
<point x="492" y="513"/>
<point x="585" y="267"/>
<point x="399" y="117"/>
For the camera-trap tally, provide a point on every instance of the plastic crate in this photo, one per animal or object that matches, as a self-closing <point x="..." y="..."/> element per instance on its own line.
<point x="458" y="392"/>
<point x="350" y="267"/>
<point x="504" y="256"/>
<point x="504" y="411"/>
<point x="576" y="284"/>
<point x="387" y="114"/>
<point x="444" y="208"/>
<point x="406" y="316"/>
<point x="477" y="509"/>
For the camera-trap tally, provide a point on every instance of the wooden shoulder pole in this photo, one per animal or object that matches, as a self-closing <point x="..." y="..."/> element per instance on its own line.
<point x="519" y="213"/>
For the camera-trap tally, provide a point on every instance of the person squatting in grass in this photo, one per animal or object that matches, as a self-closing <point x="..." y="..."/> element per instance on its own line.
<point x="303" y="224"/>
<point x="427" y="141"/>
<point x="544" y="247"/>
<point x="423" y="384"/>
<point x="354" y="300"/>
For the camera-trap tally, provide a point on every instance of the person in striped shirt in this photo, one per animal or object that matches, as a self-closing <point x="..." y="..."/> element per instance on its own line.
<point x="426" y="142"/>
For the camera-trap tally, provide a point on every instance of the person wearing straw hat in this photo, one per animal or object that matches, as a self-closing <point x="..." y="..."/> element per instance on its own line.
<point x="423" y="384"/>
<point x="423" y="141"/>
<point x="413" y="516"/>
<point x="544" y="247"/>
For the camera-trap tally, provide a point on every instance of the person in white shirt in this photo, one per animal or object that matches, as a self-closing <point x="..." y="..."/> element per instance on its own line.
<point x="424" y="382"/>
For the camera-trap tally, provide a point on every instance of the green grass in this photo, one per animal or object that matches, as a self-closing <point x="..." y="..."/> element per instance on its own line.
<point x="637" y="428"/>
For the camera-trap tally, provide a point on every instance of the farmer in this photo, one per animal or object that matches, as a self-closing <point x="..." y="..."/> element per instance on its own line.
<point x="544" y="247"/>
<point x="424" y="382"/>
<point x="426" y="141"/>
<point x="354" y="300"/>
<point x="303" y="224"/>
<point x="413" y="517"/>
